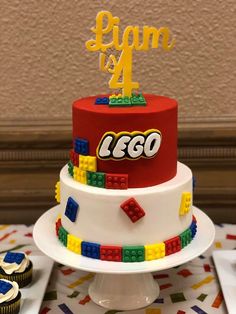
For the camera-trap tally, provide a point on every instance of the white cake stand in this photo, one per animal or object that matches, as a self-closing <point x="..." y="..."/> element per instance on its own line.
<point x="121" y="286"/>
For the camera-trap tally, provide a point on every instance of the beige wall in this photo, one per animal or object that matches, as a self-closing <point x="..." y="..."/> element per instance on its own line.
<point x="44" y="65"/>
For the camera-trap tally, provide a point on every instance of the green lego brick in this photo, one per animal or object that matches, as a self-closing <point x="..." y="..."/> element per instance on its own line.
<point x="62" y="235"/>
<point x="71" y="168"/>
<point x="119" y="101"/>
<point x="138" y="100"/>
<point x="96" y="179"/>
<point x="185" y="237"/>
<point x="132" y="254"/>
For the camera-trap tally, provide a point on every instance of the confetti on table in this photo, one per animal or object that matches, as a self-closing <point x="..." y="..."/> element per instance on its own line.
<point x="29" y="235"/>
<point x="45" y="310"/>
<point x="197" y="309"/>
<point x="202" y="297"/>
<point x="203" y="282"/>
<point x="80" y="281"/>
<point x="159" y="301"/>
<point x="231" y="236"/>
<point x="3" y="227"/>
<point x="218" y="300"/>
<point x="85" y="300"/>
<point x="13" y="241"/>
<point x="5" y="236"/>
<point x="167" y="285"/>
<point x="184" y="273"/>
<point x="218" y="245"/>
<point x="181" y="312"/>
<point x="74" y="294"/>
<point x="50" y="295"/>
<point x="177" y="297"/>
<point x="207" y="268"/>
<point x="161" y="276"/>
<point x="65" y="308"/>
<point x="153" y="311"/>
<point x="67" y="271"/>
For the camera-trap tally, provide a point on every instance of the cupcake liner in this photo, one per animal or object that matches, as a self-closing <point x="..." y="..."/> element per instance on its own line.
<point x="23" y="279"/>
<point x="11" y="307"/>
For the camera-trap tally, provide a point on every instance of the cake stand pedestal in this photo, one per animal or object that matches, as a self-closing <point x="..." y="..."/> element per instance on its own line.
<point x="121" y="286"/>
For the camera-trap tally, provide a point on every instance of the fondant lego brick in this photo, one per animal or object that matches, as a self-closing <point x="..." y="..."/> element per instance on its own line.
<point x="71" y="209"/>
<point x="58" y="226"/>
<point x="62" y="235"/>
<point x="116" y="181"/>
<point x="185" y="203"/>
<point x="132" y="254"/>
<point x="74" y="243"/>
<point x="138" y="100"/>
<point x="80" y="175"/>
<point x="71" y="169"/>
<point x="13" y="257"/>
<point x="88" y="163"/>
<point x="154" y="251"/>
<point x="132" y="209"/>
<point x="4" y="286"/>
<point x="193" y="228"/>
<point x="111" y="253"/>
<point x="102" y="101"/>
<point x="186" y="237"/>
<point x="74" y="158"/>
<point x="96" y="179"/>
<point x="57" y="192"/>
<point x="173" y="245"/>
<point x="90" y="249"/>
<point x="81" y="146"/>
<point x="118" y="101"/>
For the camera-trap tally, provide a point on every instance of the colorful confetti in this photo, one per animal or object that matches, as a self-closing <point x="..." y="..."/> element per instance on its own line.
<point x="85" y="300"/>
<point x="218" y="245"/>
<point x="50" y="295"/>
<point x="67" y="271"/>
<point x="181" y="312"/>
<point x="207" y="268"/>
<point x="184" y="273"/>
<point x="231" y="236"/>
<point x="197" y="309"/>
<point x="5" y="236"/>
<point x="177" y="297"/>
<point x="203" y="282"/>
<point x="80" y="281"/>
<point x="218" y="300"/>
<point x="45" y="310"/>
<point x="202" y="297"/>
<point x="153" y="311"/>
<point x="167" y="285"/>
<point x="65" y="308"/>
<point x="74" y="294"/>
<point x="161" y="276"/>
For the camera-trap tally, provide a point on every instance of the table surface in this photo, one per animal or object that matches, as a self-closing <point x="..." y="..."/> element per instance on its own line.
<point x="190" y="288"/>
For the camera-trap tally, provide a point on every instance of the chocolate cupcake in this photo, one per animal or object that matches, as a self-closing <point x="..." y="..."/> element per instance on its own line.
<point x="10" y="297"/>
<point x="16" y="267"/>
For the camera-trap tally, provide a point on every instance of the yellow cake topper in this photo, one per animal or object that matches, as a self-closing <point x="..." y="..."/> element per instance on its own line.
<point x="121" y="69"/>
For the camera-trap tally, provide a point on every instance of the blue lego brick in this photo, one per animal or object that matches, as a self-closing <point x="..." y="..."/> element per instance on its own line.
<point x="5" y="286"/>
<point x="102" y="101"/>
<point x="12" y="257"/>
<point x="71" y="209"/>
<point x="81" y="146"/>
<point x="193" y="228"/>
<point x="90" y="249"/>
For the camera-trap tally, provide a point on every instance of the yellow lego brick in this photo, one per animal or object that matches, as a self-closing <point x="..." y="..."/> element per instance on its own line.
<point x="154" y="251"/>
<point x="88" y="163"/>
<point x="74" y="243"/>
<point x="80" y="175"/>
<point x="185" y="203"/>
<point x="58" y="192"/>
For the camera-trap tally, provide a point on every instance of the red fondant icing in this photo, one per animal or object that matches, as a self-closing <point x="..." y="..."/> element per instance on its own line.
<point x="91" y="122"/>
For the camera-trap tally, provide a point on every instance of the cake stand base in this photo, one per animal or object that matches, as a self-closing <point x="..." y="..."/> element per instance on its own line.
<point x="135" y="290"/>
<point x="121" y="286"/>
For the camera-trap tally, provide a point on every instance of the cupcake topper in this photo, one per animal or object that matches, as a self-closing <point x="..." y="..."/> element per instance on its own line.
<point x="107" y="26"/>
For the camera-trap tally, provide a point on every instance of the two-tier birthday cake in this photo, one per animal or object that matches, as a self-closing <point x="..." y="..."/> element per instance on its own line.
<point x="123" y="196"/>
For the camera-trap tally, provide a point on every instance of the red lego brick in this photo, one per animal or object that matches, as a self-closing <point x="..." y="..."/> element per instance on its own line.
<point x="74" y="157"/>
<point x="116" y="181"/>
<point x="173" y="245"/>
<point x="58" y="225"/>
<point x="111" y="253"/>
<point x="132" y="209"/>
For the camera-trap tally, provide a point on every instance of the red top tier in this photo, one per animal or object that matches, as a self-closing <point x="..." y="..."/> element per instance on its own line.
<point x="92" y="121"/>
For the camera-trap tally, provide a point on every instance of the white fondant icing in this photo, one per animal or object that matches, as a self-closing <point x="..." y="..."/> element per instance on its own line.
<point x="11" y="294"/>
<point x="11" y="268"/>
<point x="118" y="151"/>
<point x="134" y="149"/>
<point x="102" y="220"/>
<point x="151" y="149"/>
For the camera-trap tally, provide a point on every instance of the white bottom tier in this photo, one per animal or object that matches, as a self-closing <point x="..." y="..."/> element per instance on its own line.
<point x="101" y="220"/>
